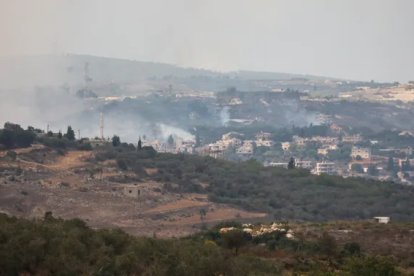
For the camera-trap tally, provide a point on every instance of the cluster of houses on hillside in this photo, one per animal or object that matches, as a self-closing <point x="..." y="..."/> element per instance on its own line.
<point x="175" y="145"/>
<point x="361" y="157"/>
<point x="358" y="161"/>
<point x="235" y="141"/>
<point x="385" y="163"/>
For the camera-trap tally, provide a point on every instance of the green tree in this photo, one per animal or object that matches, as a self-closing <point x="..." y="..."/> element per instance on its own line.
<point x="13" y="127"/>
<point x="139" y="146"/>
<point x="6" y="138"/>
<point x="291" y="164"/>
<point x="70" y="134"/>
<point x="170" y="140"/>
<point x="116" y="141"/>
<point x="390" y="164"/>
<point x="234" y="239"/>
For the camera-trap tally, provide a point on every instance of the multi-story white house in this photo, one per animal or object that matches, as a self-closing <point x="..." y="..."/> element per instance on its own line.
<point x="323" y="151"/>
<point x="325" y="140"/>
<point x="299" y="141"/>
<point x="247" y="148"/>
<point x="304" y="164"/>
<point x="363" y="153"/>
<point x="325" y="168"/>
<point x="285" y="146"/>
<point x="263" y="139"/>
<point x="352" y="139"/>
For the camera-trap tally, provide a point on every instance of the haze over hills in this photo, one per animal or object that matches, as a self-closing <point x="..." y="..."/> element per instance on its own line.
<point x="48" y="70"/>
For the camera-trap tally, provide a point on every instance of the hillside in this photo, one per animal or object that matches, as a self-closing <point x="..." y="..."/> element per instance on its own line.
<point x="30" y="71"/>
<point x="284" y="194"/>
<point x="175" y="188"/>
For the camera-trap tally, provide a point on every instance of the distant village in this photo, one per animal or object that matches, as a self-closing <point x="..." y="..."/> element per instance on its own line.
<point x="390" y="163"/>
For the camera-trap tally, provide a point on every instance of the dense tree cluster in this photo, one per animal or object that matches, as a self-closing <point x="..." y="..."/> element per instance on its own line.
<point x="14" y="136"/>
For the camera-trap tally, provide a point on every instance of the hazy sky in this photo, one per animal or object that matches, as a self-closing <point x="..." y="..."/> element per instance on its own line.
<point x="355" y="39"/>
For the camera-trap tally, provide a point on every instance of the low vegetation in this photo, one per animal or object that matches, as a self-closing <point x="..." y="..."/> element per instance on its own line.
<point x="53" y="246"/>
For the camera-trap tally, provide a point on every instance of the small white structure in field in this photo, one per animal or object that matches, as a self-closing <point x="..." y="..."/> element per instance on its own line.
<point x="384" y="220"/>
<point x="226" y="229"/>
<point x="132" y="191"/>
<point x="290" y="235"/>
<point x="248" y="230"/>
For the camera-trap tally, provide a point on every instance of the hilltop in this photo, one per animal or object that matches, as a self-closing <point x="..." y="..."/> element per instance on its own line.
<point x="70" y="70"/>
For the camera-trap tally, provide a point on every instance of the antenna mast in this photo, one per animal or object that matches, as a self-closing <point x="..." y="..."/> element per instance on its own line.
<point x="102" y="126"/>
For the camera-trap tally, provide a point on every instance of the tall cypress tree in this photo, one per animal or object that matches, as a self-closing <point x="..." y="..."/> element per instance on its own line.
<point x="70" y="134"/>
<point x="139" y="144"/>
<point x="291" y="164"/>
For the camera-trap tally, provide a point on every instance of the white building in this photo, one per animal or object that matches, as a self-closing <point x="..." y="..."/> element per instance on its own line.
<point x="218" y="146"/>
<point x="384" y="220"/>
<point x="323" y="151"/>
<point x="285" y="146"/>
<point x="299" y="141"/>
<point x="325" y="168"/>
<point x="407" y="151"/>
<point x="326" y="140"/>
<point x="98" y="142"/>
<point x="186" y="146"/>
<point x="157" y="145"/>
<point x="235" y="101"/>
<point x="246" y="149"/>
<point x="278" y="164"/>
<point x="352" y="139"/>
<point x="364" y="153"/>
<point x="304" y="164"/>
<point x="263" y="139"/>
<point x="132" y="191"/>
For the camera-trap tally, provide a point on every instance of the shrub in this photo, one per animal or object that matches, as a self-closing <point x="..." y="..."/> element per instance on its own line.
<point x="368" y="266"/>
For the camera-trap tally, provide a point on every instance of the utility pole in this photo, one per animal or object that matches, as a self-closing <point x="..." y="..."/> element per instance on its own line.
<point x="102" y="126"/>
